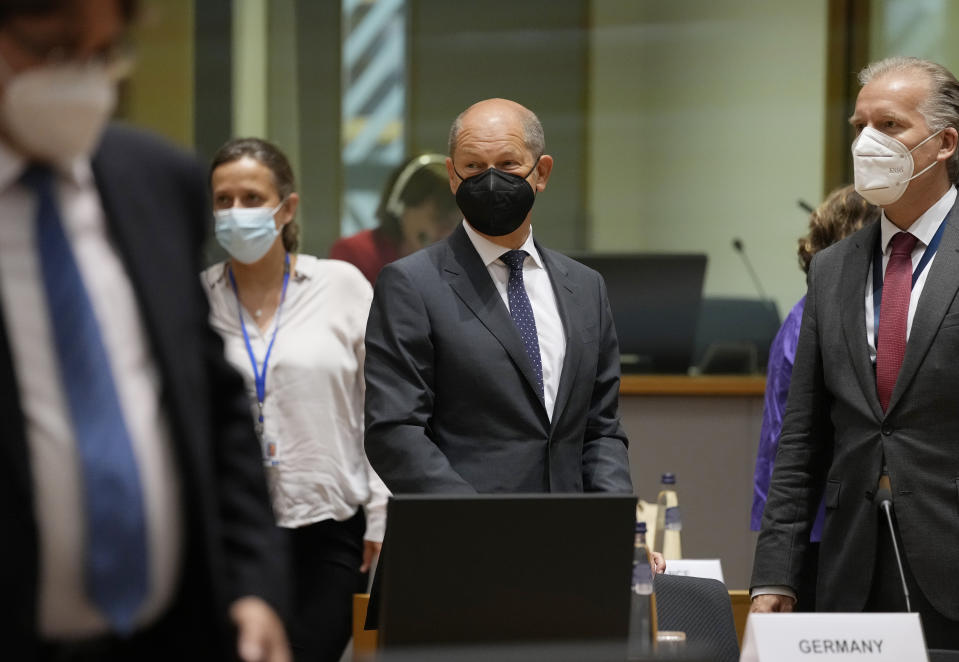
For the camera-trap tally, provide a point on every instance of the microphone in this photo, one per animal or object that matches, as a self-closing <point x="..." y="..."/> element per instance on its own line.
<point x="769" y="304"/>
<point x="805" y="206"/>
<point x="739" y="248"/>
<point x="884" y="499"/>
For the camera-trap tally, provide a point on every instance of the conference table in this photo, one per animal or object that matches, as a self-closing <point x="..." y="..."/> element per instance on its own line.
<point x="705" y="430"/>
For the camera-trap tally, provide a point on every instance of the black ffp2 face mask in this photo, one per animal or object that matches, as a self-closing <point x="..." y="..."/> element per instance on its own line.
<point x="495" y="202"/>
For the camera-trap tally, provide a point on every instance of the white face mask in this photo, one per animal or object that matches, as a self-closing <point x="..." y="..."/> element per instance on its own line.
<point x="56" y="112"/>
<point x="883" y="166"/>
<point x="246" y="232"/>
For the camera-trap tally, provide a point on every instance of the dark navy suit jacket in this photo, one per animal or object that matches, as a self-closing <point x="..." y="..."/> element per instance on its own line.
<point x="835" y="436"/>
<point x="154" y="198"/>
<point x="451" y="397"/>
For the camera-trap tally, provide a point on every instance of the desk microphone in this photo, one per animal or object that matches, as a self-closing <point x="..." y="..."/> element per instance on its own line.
<point x="766" y="301"/>
<point x="884" y="500"/>
<point x="805" y="206"/>
<point x="739" y="248"/>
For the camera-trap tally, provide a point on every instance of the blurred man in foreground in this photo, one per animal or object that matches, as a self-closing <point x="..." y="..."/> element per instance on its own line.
<point x="138" y="525"/>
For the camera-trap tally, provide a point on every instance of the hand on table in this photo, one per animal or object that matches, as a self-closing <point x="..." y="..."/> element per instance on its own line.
<point x="771" y="603"/>
<point x="657" y="562"/>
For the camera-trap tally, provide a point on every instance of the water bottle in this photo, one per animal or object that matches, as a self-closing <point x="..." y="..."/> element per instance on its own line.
<point x="668" y="522"/>
<point x="641" y="630"/>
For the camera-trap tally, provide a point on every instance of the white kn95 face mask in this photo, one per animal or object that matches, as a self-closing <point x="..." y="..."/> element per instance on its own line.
<point x="883" y="166"/>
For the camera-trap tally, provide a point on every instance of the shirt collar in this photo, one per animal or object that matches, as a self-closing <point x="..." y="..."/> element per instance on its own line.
<point x="923" y="228"/>
<point x="13" y="164"/>
<point x="303" y="269"/>
<point x="490" y="252"/>
<point x="304" y="266"/>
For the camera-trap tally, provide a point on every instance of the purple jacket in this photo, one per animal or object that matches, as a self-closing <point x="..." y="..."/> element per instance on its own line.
<point x="782" y="355"/>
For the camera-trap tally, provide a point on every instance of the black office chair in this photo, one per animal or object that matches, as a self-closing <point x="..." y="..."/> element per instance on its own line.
<point x="701" y="608"/>
<point x="733" y="335"/>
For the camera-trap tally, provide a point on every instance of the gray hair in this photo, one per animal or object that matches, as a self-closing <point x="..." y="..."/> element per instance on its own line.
<point x="940" y="108"/>
<point x="533" y="134"/>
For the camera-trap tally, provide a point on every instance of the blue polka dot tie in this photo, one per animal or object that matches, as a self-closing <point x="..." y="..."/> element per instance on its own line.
<point x="522" y="311"/>
<point x="115" y="558"/>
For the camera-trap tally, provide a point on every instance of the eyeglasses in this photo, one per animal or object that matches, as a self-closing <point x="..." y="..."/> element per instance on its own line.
<point x="118" y="59"/>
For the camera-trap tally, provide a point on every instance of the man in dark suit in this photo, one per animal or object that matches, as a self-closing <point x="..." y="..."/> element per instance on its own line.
<point x="873" y="396"/>
<point x="492" y="363"/>
<point x="131" y="488"/>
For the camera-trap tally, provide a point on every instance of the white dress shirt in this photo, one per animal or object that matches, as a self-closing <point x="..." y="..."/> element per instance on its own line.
<point x="924" y="229"/>
<point x="64" y="610"/>
<point x="314" y="390"/>
<point x="539" y="288"/>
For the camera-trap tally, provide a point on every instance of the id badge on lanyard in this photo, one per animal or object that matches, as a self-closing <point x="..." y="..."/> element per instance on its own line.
<point x="270" y="446"/>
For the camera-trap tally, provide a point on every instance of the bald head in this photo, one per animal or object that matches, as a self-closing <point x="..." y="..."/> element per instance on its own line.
<point x="500" y="116"/>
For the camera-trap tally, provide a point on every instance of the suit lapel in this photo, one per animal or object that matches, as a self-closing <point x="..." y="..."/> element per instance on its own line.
<point x="566" y="302"/>
<point x="934" y="301"/>
<point x="137" y="232"/>
<point x="129" y="226"/>
<point x="468" y="276"/>
<point x="854" y="272"/>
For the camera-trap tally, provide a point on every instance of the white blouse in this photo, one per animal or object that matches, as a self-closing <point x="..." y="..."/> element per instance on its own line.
<point x="313" y="407"/>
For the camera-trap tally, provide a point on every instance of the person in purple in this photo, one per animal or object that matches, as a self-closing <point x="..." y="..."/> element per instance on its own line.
<point x="843" y="212"/>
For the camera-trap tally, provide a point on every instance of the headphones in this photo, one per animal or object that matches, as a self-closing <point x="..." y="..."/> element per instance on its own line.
<point x="393" y="204"/>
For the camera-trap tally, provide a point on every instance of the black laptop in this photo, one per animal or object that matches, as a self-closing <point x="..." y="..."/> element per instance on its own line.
<point x="506" y="570"/>
<point x="655" y="300"/>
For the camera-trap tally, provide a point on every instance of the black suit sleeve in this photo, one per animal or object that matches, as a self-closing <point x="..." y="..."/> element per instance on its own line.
<point x="805" y="450"/>
<point x="605" y="457"/>
<point x="253" y="548"/>
<point x="400" y="392"/>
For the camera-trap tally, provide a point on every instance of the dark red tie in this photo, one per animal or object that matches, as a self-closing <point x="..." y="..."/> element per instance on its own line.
<point x="894" y="315"/>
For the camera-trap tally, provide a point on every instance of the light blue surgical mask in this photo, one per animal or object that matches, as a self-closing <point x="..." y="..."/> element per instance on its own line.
<point x="246" y="232"/>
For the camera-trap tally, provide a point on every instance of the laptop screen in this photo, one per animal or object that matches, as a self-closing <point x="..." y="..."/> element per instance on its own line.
<point x="655" y="301"/>
<point x="506" y="569"/>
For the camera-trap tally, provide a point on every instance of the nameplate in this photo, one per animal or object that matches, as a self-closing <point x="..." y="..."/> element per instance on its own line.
<point x="708" y="568"/>
<point x="824" y="636"/>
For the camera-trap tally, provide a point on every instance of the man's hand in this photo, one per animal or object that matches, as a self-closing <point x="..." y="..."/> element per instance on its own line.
<point x="371" y="550"/>
<point x="771" y="603"/>
<point x="658" y="563"/>
<point x="260" y="633"/>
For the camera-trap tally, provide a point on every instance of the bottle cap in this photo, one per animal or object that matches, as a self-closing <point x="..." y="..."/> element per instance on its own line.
<point x="669" y="479"/>
<point x="640" y="527"/>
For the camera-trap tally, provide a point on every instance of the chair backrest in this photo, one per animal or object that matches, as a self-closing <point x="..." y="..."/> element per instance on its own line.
<point x="733" y="335"/>
<point x="701" y="608"/>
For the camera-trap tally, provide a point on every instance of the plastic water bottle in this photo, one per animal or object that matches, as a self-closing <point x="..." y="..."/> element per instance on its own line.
<point x="641" y="631"/>
<point x="668" y="522"/>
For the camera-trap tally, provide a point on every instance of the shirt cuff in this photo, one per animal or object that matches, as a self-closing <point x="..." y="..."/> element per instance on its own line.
<point x="375" y="522"/>
<point x="772" y="590"/>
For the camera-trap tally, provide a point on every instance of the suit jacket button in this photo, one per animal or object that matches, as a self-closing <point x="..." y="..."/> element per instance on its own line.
<point x="886" y="429"/>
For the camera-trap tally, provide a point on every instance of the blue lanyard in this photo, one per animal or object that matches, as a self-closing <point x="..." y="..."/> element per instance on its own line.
<point x="259" y="376"/>
<point x="877" y="272"/>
